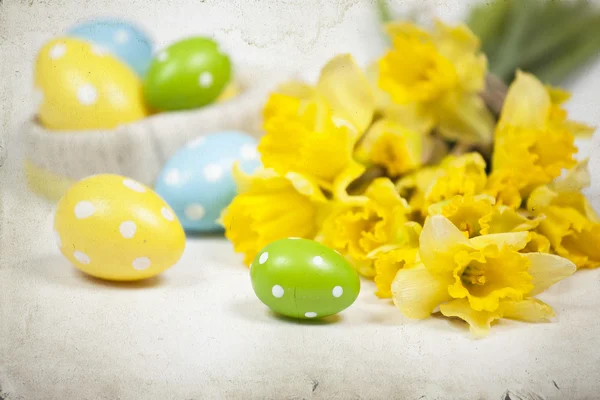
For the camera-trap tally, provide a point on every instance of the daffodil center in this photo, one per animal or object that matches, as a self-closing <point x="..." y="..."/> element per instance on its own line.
<point x="474" y="274"/>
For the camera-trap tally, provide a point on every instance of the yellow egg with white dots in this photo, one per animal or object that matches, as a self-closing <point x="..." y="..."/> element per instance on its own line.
<point x="81" y="86"/>
<point x="116" y="228"/>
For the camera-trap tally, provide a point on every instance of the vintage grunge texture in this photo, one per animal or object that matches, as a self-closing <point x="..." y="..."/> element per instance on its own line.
<point x="198" y="332"/>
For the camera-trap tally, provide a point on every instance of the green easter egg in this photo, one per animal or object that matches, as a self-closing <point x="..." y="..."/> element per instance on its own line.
<point x="303" y="279"/>
<point x="188" y="74"/>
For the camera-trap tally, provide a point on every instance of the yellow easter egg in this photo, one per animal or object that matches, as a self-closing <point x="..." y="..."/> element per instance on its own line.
<point x="82" y="87"/>
<point x="115" y="228"/>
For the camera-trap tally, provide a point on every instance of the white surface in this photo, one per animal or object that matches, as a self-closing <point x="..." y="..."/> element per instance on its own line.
<point x="199" y="332"/>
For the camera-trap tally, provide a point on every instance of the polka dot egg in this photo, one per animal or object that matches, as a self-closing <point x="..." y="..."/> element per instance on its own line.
<point x="197" y="181"/>
<point x="119" y="38"/>
<point x="80" y="86"/>
<point x="301" y="278"/>
<point x="188" y="74"/>
<point x="115" y="228"/>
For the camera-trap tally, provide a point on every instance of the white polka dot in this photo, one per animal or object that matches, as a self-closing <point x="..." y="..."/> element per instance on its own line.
<point x="162" y="56"/>
<point x="277" y="291"/>
<point x="127" y="229"/>
<point x="318" y="260"/>
<point x="337" y="291"/>
<point x="141" y="263"/>
<point x="293" y="238"/>
<point x="205" y="79"/>
<point x="84" y="209"/>
<point x="310" y="314"/>
<point x="133" y="185"/>
<point x="57" y="51"/>
<point x="81" y="257"/>
<point x="57" y="239"/>
<point x="121" y="36"/>
<point x="248" y="152"/>
<point x="194" y="212"/>
<point x="196" y="142"/>
<point x="213" y="172"/>
<point x="167" y="214"/>
<point x="99" y="50"/>
<point x="263" y="258"/>
<point x="87" y="94"/>
<point x="173" y="177"/>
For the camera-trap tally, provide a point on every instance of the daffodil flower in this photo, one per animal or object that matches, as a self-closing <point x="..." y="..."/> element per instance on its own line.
<point x="465" y="212"/>
<point x="313" y="130"/>
<point x="389" y="259"/>
<point x="269" y="207"/>
<point x="462" y="175"/>
<point x="442" y="72"/>
<point x="503" y="186"/>
<point x="503" y="219"/>
<point x="357" y="225"/>
<point x="392" y="145"/>
<point x="533" y="139"/>
<point x="415" y="185"/>
<point x="570" y="224"/>
<point x="479" y="279"/>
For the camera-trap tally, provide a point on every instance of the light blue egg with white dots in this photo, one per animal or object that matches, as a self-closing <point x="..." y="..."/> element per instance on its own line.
<point x="197" y="181"/>
<point x="120" y="38"/>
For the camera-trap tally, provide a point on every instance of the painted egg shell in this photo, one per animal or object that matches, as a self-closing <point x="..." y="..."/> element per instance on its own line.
<point x="301" y="278"/>
<point x="81" y="87"/>
<point x="197" y="181"/>
<point x="120" y="38"/>
<point x="115" y="228"/>
<point x="188" y="74"/>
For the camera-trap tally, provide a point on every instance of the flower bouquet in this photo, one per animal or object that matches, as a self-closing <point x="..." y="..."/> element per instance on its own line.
<point x="449" y="197"/>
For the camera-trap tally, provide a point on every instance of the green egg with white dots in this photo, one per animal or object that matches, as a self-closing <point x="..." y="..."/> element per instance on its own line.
<point x="188" y="74"/>
<point x="303" y="279"/>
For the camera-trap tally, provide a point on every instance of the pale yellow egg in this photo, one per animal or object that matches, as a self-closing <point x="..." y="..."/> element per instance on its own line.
<point x="81" y="87"/>
<point x="115" y="228"/>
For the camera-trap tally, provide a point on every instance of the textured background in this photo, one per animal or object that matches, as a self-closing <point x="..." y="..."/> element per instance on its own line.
<point x="198" y="331"/>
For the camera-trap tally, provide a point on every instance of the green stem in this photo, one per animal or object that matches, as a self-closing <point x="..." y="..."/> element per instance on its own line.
<point x="555" y="72"/>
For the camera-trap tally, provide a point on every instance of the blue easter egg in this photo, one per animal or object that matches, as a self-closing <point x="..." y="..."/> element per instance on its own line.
<point x="120" y="38"/>
<point x="197" y="181"/>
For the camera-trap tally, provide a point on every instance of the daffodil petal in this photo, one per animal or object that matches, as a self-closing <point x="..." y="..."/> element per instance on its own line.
<point x="340" y="184"/>
<point x="514" y="240"/>
<point x="528" y="310"/>
<point x="479" y="321"/>
<point x="547" y="269"/>
<point x="347" y="90"/>
<point x="527" y="102"/>
<point x="439" y="241"/>
<point x="416" y="292"/>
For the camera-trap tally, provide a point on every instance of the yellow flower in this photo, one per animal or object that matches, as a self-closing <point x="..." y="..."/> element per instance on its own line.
<point x="319" y="153"/>
<point x="462" y="175"/>
<point x="358" y="225"/>
<point x="313" y="130"/>
<point x="389" y="259"/>
<point x="473" y="279"/>
<point x="415" y="185"/>
<point x="538" y="243"/>
<point x="570" y="224"/>
<point x="269" y="207"/>
<point x="503" y="219"/>
<point x="392" y="145"/>
<point x="503" y="186"/>
<point x="465" y="212"/>
<point x="533" y="138"/>
<point x="442" y="72"/>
